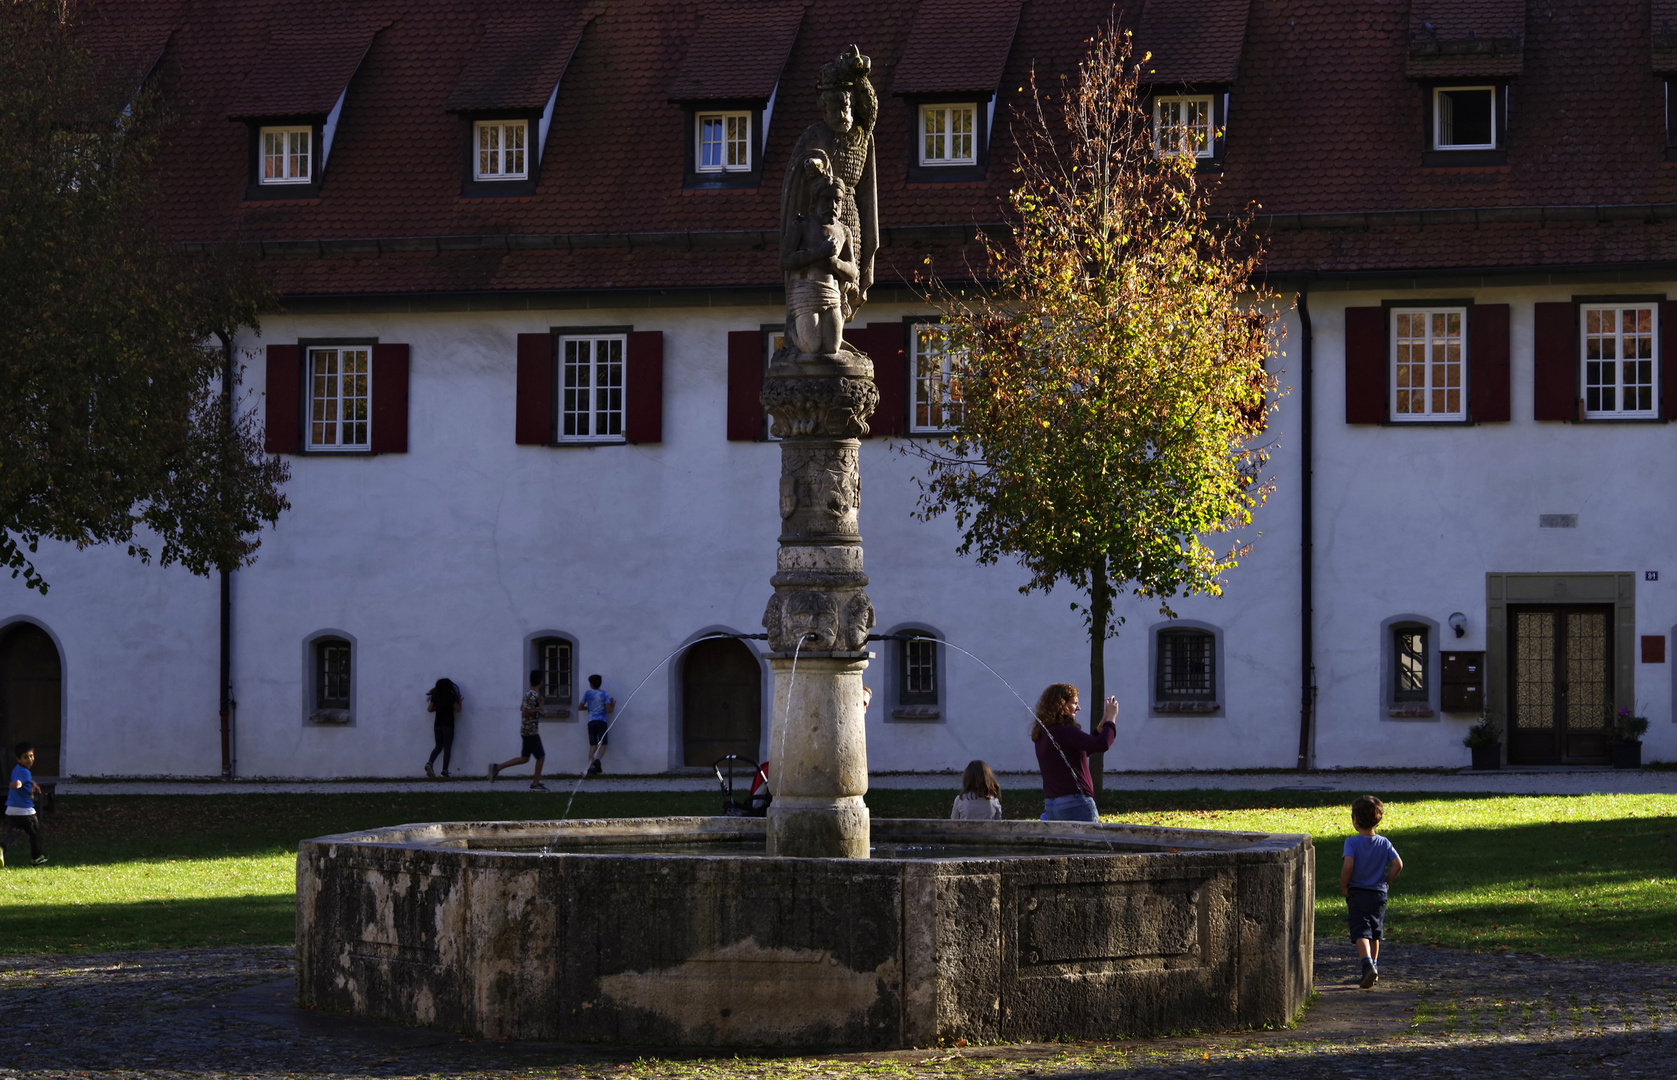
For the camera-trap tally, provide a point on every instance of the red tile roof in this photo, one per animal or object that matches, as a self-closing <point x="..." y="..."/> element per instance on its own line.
<point x="1451" y="39"/>
<point x="1191" y="41"/>
<point x="303" y="72"/>
<point x="1664" y="19"/>
<point x="519" y="59"/>
<point x="737" y="54"/>
<point x="957" y="46"/>
<point x="1324" y="120"/>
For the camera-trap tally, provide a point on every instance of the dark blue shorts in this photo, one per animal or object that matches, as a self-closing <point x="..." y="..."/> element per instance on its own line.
<point x="597" y="732"/>
<point x="1367" y="913"/>
<point x="532" y="747"/>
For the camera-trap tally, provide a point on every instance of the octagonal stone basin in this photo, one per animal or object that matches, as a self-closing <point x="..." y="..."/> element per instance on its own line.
<point x="679" y="932"/>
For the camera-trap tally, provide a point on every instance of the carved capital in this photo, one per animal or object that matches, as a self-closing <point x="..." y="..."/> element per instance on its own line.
<point x="818" y="620"/>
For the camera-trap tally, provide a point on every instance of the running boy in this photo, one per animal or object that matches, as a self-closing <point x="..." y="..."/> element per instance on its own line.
<point x="1371" y="865"/>
<point x="20" y="804"/>
<point x="599" y="705"/>
<point x="529" y="717"/>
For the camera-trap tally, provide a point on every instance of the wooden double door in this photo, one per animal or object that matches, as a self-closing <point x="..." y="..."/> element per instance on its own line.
<point x="722" y="702"/>
<point x="31" y="696"/>
<point x="1560" y="684"/>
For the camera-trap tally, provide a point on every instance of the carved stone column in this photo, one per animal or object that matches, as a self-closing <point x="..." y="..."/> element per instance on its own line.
<point x="819" y="617"/>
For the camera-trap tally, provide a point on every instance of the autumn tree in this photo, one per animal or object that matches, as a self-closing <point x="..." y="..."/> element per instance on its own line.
<point x="114" y="427"/>
<point x="1109" y="393"/>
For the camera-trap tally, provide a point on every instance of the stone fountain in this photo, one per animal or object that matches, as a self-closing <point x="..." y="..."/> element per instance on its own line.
<point x="814" y="927"/>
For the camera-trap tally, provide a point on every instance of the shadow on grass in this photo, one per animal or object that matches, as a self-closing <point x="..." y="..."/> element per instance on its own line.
<point x="150" y="924"/>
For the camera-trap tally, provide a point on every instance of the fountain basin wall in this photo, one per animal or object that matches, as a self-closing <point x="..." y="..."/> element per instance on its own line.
<point x="1110" y="931"/>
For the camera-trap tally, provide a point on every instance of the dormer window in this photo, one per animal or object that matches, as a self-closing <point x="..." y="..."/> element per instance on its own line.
<point x="501" y="149"/>
<point x="948" y="134"/>
<point x="1183" y="125"/>
<point x="287" y="155"/>
<point x="724" y="142"/>
<point x="1464" y="118"/>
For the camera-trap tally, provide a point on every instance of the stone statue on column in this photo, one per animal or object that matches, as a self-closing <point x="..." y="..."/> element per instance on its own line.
<point x="819" y="393"/>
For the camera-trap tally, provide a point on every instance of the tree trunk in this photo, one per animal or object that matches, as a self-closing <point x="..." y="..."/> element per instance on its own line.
<point x="1100" y="611"/>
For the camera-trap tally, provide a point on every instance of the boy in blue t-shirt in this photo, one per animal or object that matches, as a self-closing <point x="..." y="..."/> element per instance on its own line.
<point x="20" y="804"/>
<point x="1371" y="865"/>
<point x="599" y="705"/>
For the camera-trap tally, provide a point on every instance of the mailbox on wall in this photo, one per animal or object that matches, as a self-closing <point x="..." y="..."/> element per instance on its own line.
<point x="1462" y="687"/>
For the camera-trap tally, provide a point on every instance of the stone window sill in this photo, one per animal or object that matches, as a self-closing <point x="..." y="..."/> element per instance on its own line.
<point x="1187" y="708"/>
<point x="554" y="712"/>
<point x="1410" y="711"/>
<point x="917" y="712"/>
<point x="331" y="716"/>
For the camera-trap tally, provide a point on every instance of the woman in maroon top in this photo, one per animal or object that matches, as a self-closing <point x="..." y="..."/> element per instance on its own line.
<point x="1062" y="753"/>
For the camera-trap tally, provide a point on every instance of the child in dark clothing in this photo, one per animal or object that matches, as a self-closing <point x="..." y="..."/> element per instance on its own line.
<point x="1371" y="865"/>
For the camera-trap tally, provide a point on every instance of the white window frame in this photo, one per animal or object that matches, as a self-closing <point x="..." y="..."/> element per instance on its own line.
<point x="1617" y="363"/>
<point x="328" y="403"/>
<point x="1429" y="365"/>
<point x="556" y="644"/>
<point x="603" y="405"/>
<point x="291" y="136"/>
<point x="734" y="146"/>
<point x="947" y="409"/>
<point x="1203" y="131"/>
<point x="505" y="161"/>
<point x="919" y="662"/>
<point x="1438" y="93"/>
<point x="939" y="144"/>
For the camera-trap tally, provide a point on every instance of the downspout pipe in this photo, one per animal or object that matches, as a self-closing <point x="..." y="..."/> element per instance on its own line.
<point x="226" y="675"/>
<point x="1307" y="449"/>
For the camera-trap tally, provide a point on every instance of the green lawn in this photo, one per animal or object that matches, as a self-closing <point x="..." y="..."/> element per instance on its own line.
<point x="1587" y="875"/>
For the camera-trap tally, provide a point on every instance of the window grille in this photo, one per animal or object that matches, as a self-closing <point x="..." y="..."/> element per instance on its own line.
<point x="947" y="135"/>
<point x="1186" y="671"/>
<point x="1182" y="125"/>
<point x="937" y="389"/>
<point x="339" y="398"/>
<point x="501" y="150"/>
<point x="1409" y="664"/>
<point x="591" y="388"/>
<point x="331" y="681"/>
<point x="1429" y="368"/>
<point x="724" y="142"/>
<point x="553" y="657"/>
<point x="287" y="155"/>
<point x="919" y="670"/>
<point x="1618" y="376"/>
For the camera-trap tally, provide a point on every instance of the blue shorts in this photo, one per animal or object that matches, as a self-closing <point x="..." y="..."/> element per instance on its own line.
<point x="1367" y="913"/>
<point x="597" y="732"/>
<point x="1070" y="808"/>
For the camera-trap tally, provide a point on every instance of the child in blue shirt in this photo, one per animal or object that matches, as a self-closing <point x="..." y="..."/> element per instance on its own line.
<point x="1371" y="865"/>
<point x="598" y="704"/>
<point x="20" y="804"/>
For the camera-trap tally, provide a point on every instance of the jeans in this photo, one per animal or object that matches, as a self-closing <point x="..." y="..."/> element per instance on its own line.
<point x="1070" y="808"/>
<point x="27" y="823"/>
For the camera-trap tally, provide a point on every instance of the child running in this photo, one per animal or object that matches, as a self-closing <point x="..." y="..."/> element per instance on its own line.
<point x="980" y="797"/>
<point x="20" y="804"/>
<point x="529" y="730"/>
<point x="599" y="705"/>
<point x="1371" y="865"/>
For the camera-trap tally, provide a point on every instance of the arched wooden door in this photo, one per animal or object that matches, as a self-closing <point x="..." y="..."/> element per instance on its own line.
<point x="31" y="695"/>
<point x="721" y="702"/>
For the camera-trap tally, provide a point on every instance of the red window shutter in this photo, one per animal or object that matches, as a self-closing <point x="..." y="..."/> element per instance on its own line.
<point x="1366" y="365"/>
<point x="745" y="385"/>
<point x="283" y="422"/>
<point x="644" y="409"/>
<point x="1555" y="361"/>
<point x="884" y="344"/>
<point x="1487" y="363"/>
<point x="533" y="424"/>
<point x="390" y="400"/>
<point x="1668" y="360"/>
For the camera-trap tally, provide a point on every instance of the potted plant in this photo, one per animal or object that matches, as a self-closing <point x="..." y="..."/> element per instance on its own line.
<point x="1628" y="730"/>
<point x="1485" y="740"/>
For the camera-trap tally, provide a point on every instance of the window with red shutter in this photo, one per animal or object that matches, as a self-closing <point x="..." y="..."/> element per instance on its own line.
<point x="745" y="385"/>
<point x="390" y="399"/>
<point x="1668" y="369"/>
<point x="884" y="344"/>
<point x="533" y="419"/>
<point x="1555" y="361"/>
<point x="282" y="422"/>
<point x="644" y="422"/>
<point x="1487" y="358"/>
<point x="1365" y="365"/>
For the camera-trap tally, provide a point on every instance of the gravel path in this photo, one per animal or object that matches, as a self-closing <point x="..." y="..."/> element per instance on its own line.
<point x="223" y="1013"/>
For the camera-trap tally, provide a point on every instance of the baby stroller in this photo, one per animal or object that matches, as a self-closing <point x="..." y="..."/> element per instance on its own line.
<point x="756" y="802"/>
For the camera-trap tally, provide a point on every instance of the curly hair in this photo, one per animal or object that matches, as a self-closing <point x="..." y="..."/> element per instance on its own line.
<point x="1054" y="709"/>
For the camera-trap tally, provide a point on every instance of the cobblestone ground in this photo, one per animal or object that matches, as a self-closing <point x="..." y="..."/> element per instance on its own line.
<point x="215" y="1013"/>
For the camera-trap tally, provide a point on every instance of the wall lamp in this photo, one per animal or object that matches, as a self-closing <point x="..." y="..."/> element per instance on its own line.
<point x="1458" y="623"/>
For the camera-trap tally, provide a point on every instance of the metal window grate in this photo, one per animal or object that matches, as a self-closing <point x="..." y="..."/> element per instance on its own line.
<point x="332" y="675"/>
<point x="1409" y="667"/>
<point x="554" y="659"/>
<point x="919" y="671"/>
<point x="1186" y="672"/>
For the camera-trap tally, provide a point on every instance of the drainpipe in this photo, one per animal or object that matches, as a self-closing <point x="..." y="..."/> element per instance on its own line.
<point x="226" y="677"/>
<point x="1307" y="642"/>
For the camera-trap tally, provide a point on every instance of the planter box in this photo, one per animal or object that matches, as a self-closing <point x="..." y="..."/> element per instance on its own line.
<point x="1627" y="755"/>
<point x="1487" y="757"/>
